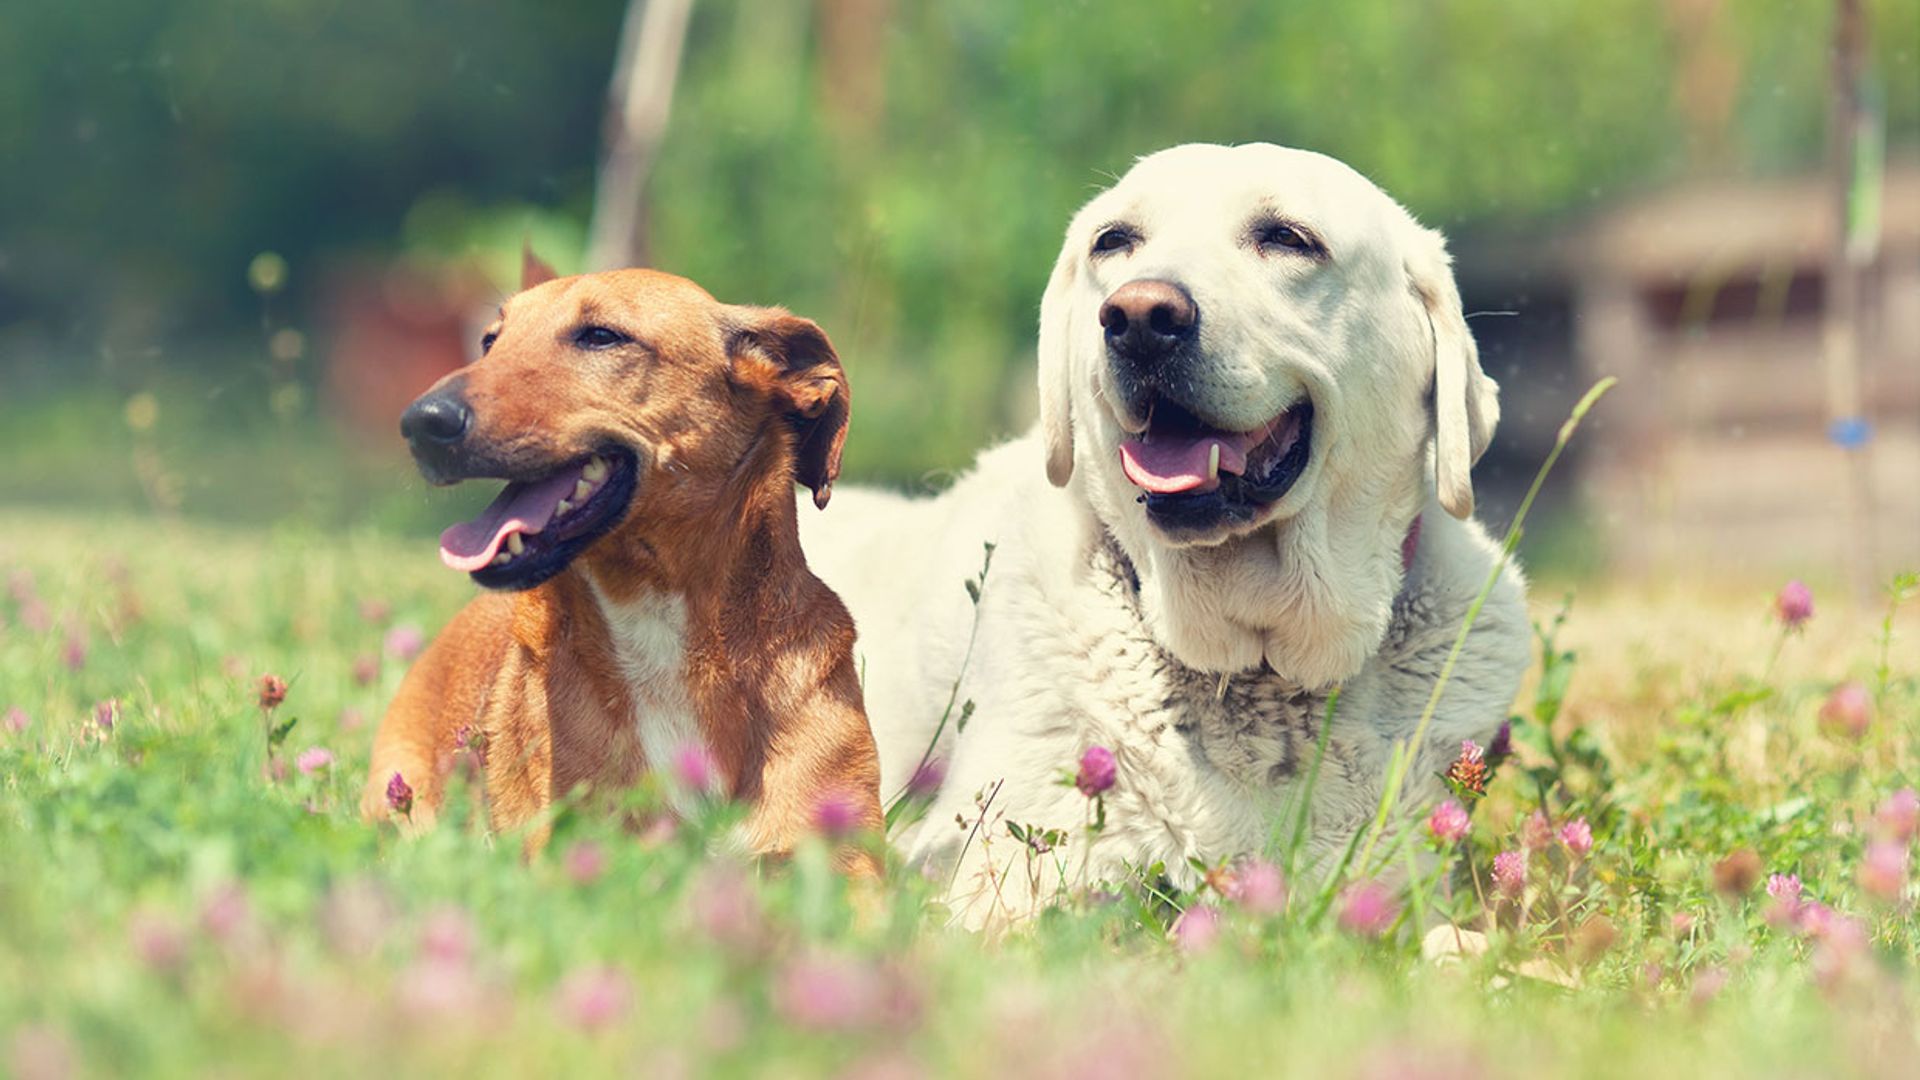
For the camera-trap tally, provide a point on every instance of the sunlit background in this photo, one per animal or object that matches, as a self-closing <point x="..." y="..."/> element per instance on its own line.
<point x="238" y="237"/>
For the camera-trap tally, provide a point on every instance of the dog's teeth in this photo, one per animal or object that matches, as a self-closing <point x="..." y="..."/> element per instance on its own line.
<point x="582" y="489"/>
<point x="1213" y="462"/>
<point x="515" y="544"/>
<point x="595" y="471"/>
<point x="563" y="507"/>
<point x="502" y="559"/>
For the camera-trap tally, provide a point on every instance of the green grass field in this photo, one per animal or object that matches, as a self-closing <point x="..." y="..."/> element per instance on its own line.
<point x="173" y="904"/>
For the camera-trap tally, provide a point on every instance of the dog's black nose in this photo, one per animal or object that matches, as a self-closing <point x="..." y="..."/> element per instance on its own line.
<point x="1149" y="319"/>
<point x="441" y="418"/>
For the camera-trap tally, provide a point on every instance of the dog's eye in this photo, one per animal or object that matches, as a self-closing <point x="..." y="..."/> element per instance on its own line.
<point x="597" y="337"/>
<point x="1281" y="235"/>
<point x="1116" y="238"/>
<point x="486" y="341"/>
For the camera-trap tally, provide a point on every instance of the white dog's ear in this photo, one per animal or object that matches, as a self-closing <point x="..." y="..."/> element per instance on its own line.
<point x="1466" y="403"/>
<point x="1056" y="365"/>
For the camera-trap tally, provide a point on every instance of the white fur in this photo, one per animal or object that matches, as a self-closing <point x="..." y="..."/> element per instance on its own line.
<point x="649" y="640"/>
<point x="1202" y="663"/>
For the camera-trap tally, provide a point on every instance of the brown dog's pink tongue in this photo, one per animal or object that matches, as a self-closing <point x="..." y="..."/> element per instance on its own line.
<point x="520" y="508"/>
<point x="1168" y="464"/>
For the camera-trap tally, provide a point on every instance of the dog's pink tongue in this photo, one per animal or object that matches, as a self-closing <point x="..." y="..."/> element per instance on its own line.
<point x="1168" y="464"/>
<point x="520" y="508"/>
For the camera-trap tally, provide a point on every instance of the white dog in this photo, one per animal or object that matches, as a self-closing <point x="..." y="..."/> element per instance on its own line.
<point x="1259" y="404"/>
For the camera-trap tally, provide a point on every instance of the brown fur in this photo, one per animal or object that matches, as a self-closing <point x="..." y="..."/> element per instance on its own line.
<point x="724" y="407"/>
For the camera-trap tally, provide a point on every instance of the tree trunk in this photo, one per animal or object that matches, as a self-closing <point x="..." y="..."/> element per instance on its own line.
<point x="639" y="102"/>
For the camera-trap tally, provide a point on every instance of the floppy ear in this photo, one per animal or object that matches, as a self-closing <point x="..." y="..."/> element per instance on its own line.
<point x="1466" y="403"/>
<point x="533" y="269"/>
<point x="812" y="390"/>
<point x="1056" y="365"/>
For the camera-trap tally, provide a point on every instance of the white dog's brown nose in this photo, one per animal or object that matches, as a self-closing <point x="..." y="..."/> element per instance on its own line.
<point x="1148" y="319"/>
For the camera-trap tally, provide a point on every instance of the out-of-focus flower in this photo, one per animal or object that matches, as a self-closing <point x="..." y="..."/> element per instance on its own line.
<point x="1469" y="770"/>
<point x="273" y="691"/>
<point x="157" y="939"/>
<point x="105" y="715"/>
<point x="1577" y="837"/>
<point x="1681" y="923"/>
<point x="693" y="768"/>
<point x="472" y="743"/>
<point x="404" y="642"/>
<point x="16" y="719"/>
<point x="1258" y="887"/>
<point x="1897" y="818"/>
<point x="225" y="913"/>
<point x="356" y="917"/>
<point x="39" y="1052"/>
<point x="1098" y="770"/>
<point x="1449" y="822"/>
<point x="1368" y="909"/>
<point x="35" y="615"/>
<point x="1197" y="928"/>
<point x="366" y="668"/>
<point x="1510" y="874"/>
<point x="836" y="815"/>
<point x="1783" y="907"/>
<point x="1707" y="984"/>
<point x="74" y="652"/>
<point x="313" y="759"/>
<point x="1536" y="833"/>
<point x="593" y="998"/>
<point x="586" y="860"/>
<point x="1847" y="712"/>
<point x="827" y="992"/>
<point x="1737" y="874"/>
<point x="1794" y="605"/>
<point x="20" y="586"/>
<point x="351" y="719"/>
<point x="927" y="778"/>
<point x="1883" y="869"/>
<point x="447" y="936"/>
<point x="376" y="611"/>
<point x="725" y="907"/>
<point x="400" y="795"/>
<point x="440" y="990"/>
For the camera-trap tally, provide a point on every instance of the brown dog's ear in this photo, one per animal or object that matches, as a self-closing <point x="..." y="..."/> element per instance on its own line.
<point x="812" y="390"/>
<point x="533" y="269"/>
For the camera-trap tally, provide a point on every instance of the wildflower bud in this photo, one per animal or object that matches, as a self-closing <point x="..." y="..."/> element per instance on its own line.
<point x="16" y="719"/>
<point x="1510" y="874"/>
<point x="693" y="769"/>
<point x="1097" y="771"/>
<point x="313" y="759"/>
<point x="105" y="715"/>
<point x="157" y="939"/>
<point x="403" y="643"/>
<point x="1681" y="923"/>
<point x="376" y="612"/>
<point x="1847" y="711"/>
<point x="1898" y="818"/>
<point x="836" y="815"/>
<point x="1537" y="833"/>
<point x="1883" y="870"/>
<point x="1367" y="909"/>
<point x="585" y="862"/>
<point x="225" y="912"/>
<point x="593" y="998"/>
<point x="927" y="778"/>
<point x="1501" y="748"/>
<point x="726" y="909"/>
<point x="447" y="936"/>
<point x="1469" y="770"/>
<point x="1735" y="876"/>
<point x="1783" y="908"/>
<point x="1449" y="822"/>
<point x="74" y="653"/>
<point x="273" y="691"/>
<point x="1197" y="929"/>
<point x="1257" y="886"/>
<point x="1577" y="837"/>
<point x="400" y="795"/>
<point x="1794" y="605"/>
<point x="366" y="668"/>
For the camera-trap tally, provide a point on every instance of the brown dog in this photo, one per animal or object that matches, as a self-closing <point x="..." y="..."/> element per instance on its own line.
<point x="650" y="594"/>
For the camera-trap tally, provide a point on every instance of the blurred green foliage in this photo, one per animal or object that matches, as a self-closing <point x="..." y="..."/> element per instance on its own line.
<point x="907" y="190"/>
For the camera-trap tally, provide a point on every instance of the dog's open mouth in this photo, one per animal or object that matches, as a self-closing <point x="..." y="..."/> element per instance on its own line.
<point x="536" y="527"/>
<point x="1196" y="476"/>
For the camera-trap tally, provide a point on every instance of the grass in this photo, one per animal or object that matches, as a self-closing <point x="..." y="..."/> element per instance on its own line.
<point x="167" y="908"/>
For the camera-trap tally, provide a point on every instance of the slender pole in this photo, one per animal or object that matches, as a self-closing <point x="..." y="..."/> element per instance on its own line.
<point x="1848" y="125"/>
<point x="639" y="102"/>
